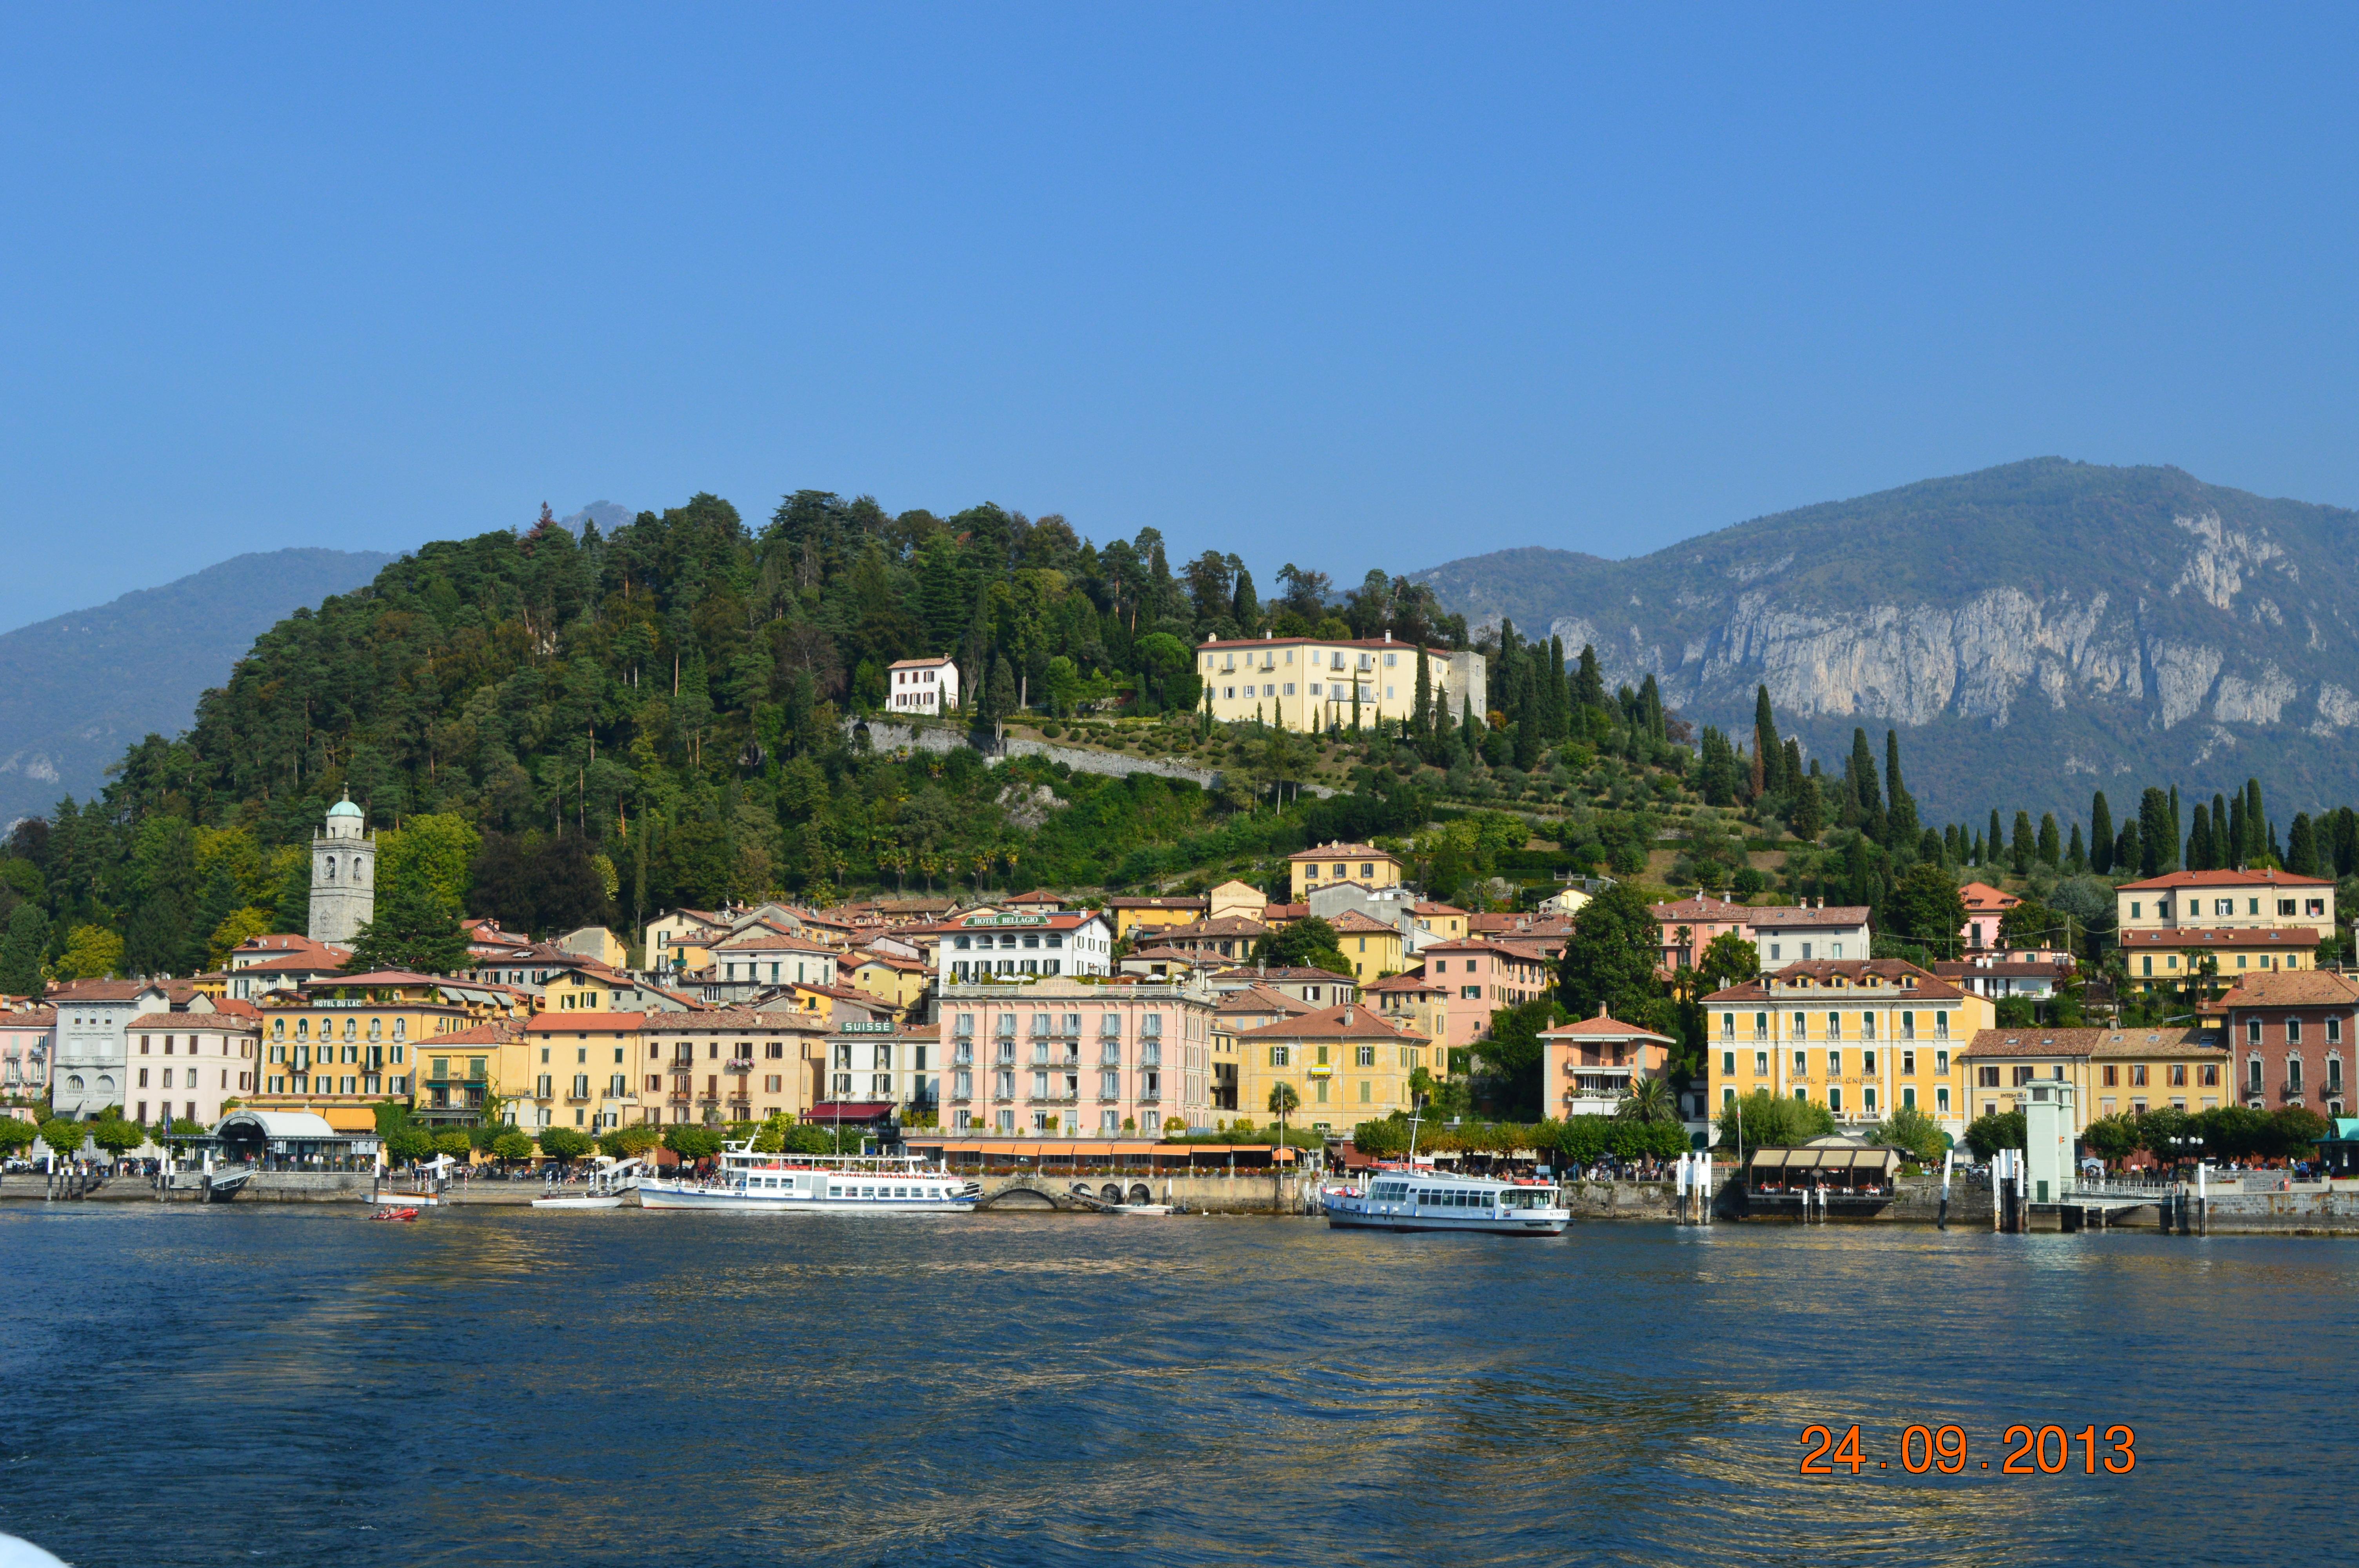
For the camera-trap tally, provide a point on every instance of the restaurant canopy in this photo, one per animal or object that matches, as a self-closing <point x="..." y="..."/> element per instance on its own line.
<point x="1811" y="1158"/>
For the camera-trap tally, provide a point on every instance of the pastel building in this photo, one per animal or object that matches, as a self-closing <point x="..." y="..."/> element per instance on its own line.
<point x="1063" y="1056"/>
<point x="975" y="946"/>
<point x="183" y="1065"/>
<point x="921" y="685"/>
<point x="1313" y="683"/>
<point x="28" y="1038"/>
<point x="1588" y="1066"/>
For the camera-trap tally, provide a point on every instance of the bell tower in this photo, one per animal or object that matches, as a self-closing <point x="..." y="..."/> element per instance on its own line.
<point x="343" y="875"/>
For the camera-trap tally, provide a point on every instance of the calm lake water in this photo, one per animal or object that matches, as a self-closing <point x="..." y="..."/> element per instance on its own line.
<point x="263" y="1386"/>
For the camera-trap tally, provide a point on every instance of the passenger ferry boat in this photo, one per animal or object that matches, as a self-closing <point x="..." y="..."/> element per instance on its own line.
<point x="1413" y="1197"/>
<point x="1405" y="1199"/>
<point x="749" y="1183"/>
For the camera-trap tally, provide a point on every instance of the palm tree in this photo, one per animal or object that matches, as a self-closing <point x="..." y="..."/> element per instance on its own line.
<point x="1283" y="1101"/>
<point x="1649" y="1100"/>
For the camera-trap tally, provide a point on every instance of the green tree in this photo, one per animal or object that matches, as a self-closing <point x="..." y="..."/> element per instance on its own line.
<point x="458" y="1145"/>
<point x="64" y="1136"/>
<point x="116" y="1136"/>
<point x="2165" y="1132"/>
<point x="564" y="1144"/>
<point x="629" y="1142"/>
<point x="1914" y="1134"/>
<point x="2101" y="835"/>
<point x="1512" y="1052"/>
<point x="16" y="1135"/>
<point x="1309" y="943"/>
<point x="20" y="951"/>
<point x="412" y="931"/>
<point x="692" y="1143"/>
<point x="92" y="952"/>
<point x="1727" y="960"/>
<point x="1283" y="1102"/>
<point x="1764" y="1120"/>
<point x="1610" y="958"/>
<point x="2112" y="1139"/>
<point x="1925" y="907"/>
<point x="432" y="854"/>
<point x="1810" y="810"/>
<point x="408" y="1145"/>
<point x="1994" y="1130"/>
<point x="512" y="1147"/>
<point x="1649" y="1100"/>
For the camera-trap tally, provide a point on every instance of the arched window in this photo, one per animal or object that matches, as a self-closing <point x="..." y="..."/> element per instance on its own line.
<point x="332" y="867"/>
<point x="278" y="1029"/>
<point x="74" y="1083"/>
<point x="376" y="1028"/>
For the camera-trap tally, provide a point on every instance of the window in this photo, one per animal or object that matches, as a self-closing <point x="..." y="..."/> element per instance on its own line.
<point x="1761" y="1063"/>
<point x="1835" y="1026"/>
<point x="1801" y="1026"/>
<point x="1867" y="1063"/>
<point x="1728" y="1064"/>
<point x="2293" y="1075"/>
<point x="1987" y="1077"/>
<point x="1867" y="1029"/>
<point x="2112" y="1076"/>
<point x="1941" y="1099"/>
<point x="1801" y="1064"/>
<point x="1909" y="1026"/>
<point x="1835" y="1064"/>
<point x="1367" y="1058"/>
<point x="1907" y="1098"/>
<point x="2137" y="1074"/>
<point x="2252" y="1031"/>
<point x="1280" y="1057"/>
<point x="1941" y="1026"/>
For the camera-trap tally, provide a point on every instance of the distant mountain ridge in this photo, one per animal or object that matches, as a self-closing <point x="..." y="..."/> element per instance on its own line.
<point x="2034" y="632"/>
<point x="76" y="690"/>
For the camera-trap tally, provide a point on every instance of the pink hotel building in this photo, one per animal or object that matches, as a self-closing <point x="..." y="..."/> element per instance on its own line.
<point x="1065" y="1057"/>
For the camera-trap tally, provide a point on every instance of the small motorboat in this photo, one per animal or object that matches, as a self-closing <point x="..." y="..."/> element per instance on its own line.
<point x="1142" y="1208"/>
<point x="401" y="1213"/>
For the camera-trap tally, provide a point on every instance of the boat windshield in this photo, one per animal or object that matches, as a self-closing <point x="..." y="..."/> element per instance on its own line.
<point x="1527" y="1198"/>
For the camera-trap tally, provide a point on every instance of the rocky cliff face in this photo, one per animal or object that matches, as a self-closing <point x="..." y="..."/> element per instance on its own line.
<point x="2031" y="631"/>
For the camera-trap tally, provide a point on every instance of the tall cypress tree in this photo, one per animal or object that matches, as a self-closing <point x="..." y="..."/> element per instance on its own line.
<point x="1902" y="806"/>
<point x="2257" y="822"/>
<point x="2157" y="835"/>
<point x="2051" y="846"/>
<point x="1992" y="844"/>
<point x="2025" y="847"/>
<point x="2198" y="841"/>
<point x="2101" y="835"/>
<point x="2077" y="856"/>
<point x="2239" y="845"/>
<point x="2172" y="861"/>
<point x="1769" y="755"/>
<point x="1861" y="775"/>
<point x="2301" y="847"/>
<point x="1589" y="686"/>
<point x="1560" y="704"/>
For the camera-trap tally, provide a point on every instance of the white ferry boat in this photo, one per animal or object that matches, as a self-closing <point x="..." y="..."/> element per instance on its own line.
<point x="749" y="1183"/>
<point x="1405" y="1198"/>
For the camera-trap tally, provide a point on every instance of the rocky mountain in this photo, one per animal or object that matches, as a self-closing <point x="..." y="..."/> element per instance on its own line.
<point x="2034" y="632"/>
<point x="77" y="689"/>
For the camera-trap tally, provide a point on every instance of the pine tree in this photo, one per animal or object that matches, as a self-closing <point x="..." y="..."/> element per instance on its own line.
<point x="20" y="951"/>
<point x="2101" y="835"/>
<point x="1810" y="810"/>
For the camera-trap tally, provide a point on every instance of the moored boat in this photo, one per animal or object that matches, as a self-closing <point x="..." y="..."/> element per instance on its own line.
<point x="611" y="1185"/>
<point x="1407" y="1198"/>
<point x="751" y="1182"/>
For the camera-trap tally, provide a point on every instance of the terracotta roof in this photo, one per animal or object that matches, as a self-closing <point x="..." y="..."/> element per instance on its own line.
<point x="1602" y="1027"/>
<point x="1413" y="981"/>
<point x="1431" y="652"/>
<point x="584" y="1022"/>
<point x="891" y="961"/>
<point x="1787" y="917"/>
<point x="1352" y="922"/>
<point x="724" y="1020"/>
<point x="770" y="940"/>
<point x="1158" y="903"/>
<point x="1261" y="999"/>
<point x="1427" y="908"/>
<point x="917" y="664"/>
<point x="1284" y="972"/>
<point x="1226" y="926"/>
<point x="1989" y="1043"/>
<point x="1038" y="895"/>
<point x="2267" y="876"/>
<point x="496" y="1033"/>
<point x="2292" y="987"/>
<point x="1963" y="971"/>
<point x="73" y="991"/>
<point x="2225" y="937"/>
<point x="1878" y="974"/>
<point x="389" y="978"/>
<point x="29" y="1018"/>
<point x="1982" y="896"/>
<point x="1352" y="1020"/>
<point x="226" y="1023"/>
<point x="1066" y="920"/>
<point x="1273" y="912"/>
<point x="310" y="962"/>
<point x="1343" y="852"/>
<point x="1704" y="906"/>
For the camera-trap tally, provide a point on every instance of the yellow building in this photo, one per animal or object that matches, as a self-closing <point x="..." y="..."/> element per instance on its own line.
<point x="455" y="1074"/>
<point x="1236" y="1013"/>
<point x="340" y="1045"/>
<point x="898" y="982"/>
<point x="1242" y="900"/>
<point x="2172" y="958"/>
<point x="1313" y="683"/>
<point x="733" y="1065"/>
<point x="1415" y="1005"/>
<point x="1372" y="947"/>
<point x="1331" y="863"/>
<point x="1129" y="914"/>
<point x="1861" y="1037"/>
<point x="2115" y="1072"/>
<point x="1446" y="920"/>
<point x="2228" y="899"/>
<point x="579" y="1069"/>
<point x="1346" y="1065"/>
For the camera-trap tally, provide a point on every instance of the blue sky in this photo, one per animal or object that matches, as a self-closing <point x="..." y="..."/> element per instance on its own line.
<point x="1347" y="286"/>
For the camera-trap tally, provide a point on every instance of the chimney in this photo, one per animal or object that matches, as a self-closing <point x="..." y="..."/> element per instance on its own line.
<point x="1347" y="1018"/>
<point x="1388" y="636"/>
<point x="1601" y="1010"/>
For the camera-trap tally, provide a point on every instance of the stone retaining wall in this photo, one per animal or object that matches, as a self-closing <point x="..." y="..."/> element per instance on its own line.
<point x="886" y="736"/>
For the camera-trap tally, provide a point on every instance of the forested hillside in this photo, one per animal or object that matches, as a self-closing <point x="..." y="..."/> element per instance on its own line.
<point x="553" y="729"/>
